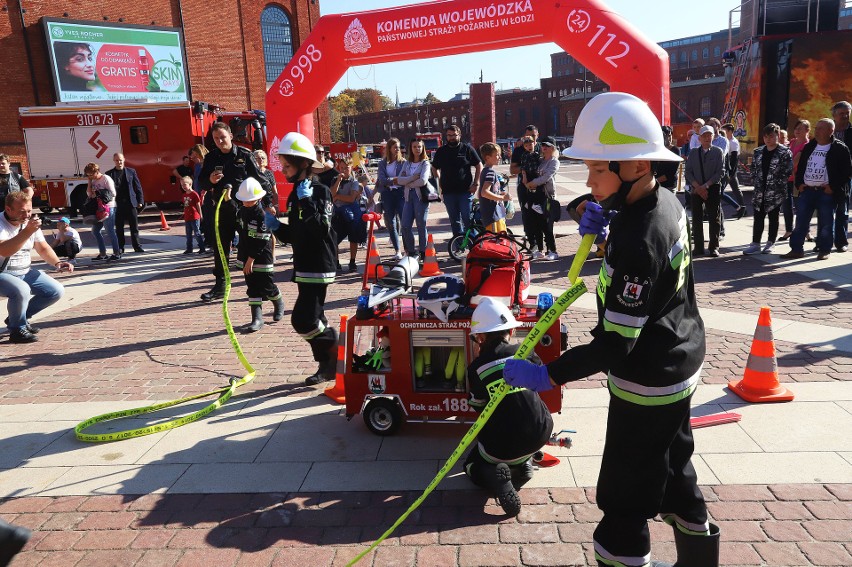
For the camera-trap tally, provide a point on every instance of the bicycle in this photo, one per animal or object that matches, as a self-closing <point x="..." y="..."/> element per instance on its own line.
<point x="460" y="244"/>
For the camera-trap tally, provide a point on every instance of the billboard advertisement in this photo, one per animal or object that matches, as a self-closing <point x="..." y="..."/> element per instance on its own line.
<point x="92" y="61"/>
<point x="821" y="75"/>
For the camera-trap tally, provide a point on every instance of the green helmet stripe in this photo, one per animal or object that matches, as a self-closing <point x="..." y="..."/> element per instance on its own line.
<point x="296" y="146"/>
<point x="609" y="136"/>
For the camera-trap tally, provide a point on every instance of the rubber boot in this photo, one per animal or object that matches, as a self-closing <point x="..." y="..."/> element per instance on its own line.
<point x="12" y="540"/>
<point x="327" y="358"/>
<point x="506" y="495"/>
<point x="216" y="292"/>
<point x="697" y="550"/>
<point x="256" y="319"/>
<point x="278" y="314"/>
<point x="522" y="474"/>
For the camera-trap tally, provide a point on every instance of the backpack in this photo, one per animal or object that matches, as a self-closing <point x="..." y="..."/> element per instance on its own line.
<point x="495" y="267"/>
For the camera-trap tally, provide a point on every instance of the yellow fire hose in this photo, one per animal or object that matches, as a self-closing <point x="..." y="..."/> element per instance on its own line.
<point x="498" y="390"/>
<point x="224" y="393"/>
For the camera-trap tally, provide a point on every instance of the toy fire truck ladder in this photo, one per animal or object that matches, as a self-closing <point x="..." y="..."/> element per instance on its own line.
<point x="734" y="89"/>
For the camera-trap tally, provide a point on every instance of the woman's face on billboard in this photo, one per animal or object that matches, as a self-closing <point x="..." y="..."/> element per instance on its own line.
<point x="80" y="65"/>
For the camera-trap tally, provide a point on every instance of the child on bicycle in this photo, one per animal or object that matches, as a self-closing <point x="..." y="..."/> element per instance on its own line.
<point x="492" y="193"/>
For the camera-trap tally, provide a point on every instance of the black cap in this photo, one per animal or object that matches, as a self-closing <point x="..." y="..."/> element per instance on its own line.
<point x="548" y="141"/>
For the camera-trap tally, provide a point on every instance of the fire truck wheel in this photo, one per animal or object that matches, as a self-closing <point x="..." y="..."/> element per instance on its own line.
<point x="382" y="416"/>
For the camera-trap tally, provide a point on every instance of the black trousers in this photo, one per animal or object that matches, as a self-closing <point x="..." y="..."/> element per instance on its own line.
<point x="646" y="470"/>
<point x="714" y="216"/>
<point x="308" y="319"/>
<point x="69" y="248"/>
<point x="261" y="286"/>
<point x="126" y="213"/>
<point x="774" y="221"/>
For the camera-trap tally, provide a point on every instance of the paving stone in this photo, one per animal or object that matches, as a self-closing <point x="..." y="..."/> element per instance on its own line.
<point x="743" y="493"/>
<point x="800" y="492"/>
<point x="209" y="556"/>
<point x="830" y="510"/>
<point x="788" y="510"/>
<point x="738" y="510"/>
<point x="785" y="531"/>
<point x="528" y="533"/>
<point x="159" y="558"/>
<point x="465" y="535"/>
<point x="289" y="557"/>
<point x="107" y="521"/>
<point x="113" y="539"/>
<point x="826" y="554"/>
<point x="552" y="554"/>
<point x="829" y="530"/>
<point x="780" y="554"/>
<point x="494" y="555"/>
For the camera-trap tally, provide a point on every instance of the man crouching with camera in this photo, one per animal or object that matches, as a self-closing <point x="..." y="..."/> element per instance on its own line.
<point x="28" y="290"/>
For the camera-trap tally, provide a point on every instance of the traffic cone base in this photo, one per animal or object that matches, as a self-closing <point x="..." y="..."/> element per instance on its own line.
<point x="338" y="392"/>
<point x="373" y="269"/>
<point x="430" y="261"/>
<point x="760" y="379"/>
<point x="163" y="224"/>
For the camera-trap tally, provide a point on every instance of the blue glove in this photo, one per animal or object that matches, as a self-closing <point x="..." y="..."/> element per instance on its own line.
<point x="304" y="189"/>
<point x="271" y="221"/>
<point x="524" y="374"/>
<point x="595" y="220"/>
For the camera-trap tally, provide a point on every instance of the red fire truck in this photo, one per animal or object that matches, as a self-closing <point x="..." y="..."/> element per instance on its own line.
<point x="420" y="371"/>
<point x="60" y="140"/>
<point x="431" y="142"/>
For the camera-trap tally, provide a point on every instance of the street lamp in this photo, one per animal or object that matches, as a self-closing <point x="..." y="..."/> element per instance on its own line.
<point x="585" y="82"/>
<point x="417" y="123"/>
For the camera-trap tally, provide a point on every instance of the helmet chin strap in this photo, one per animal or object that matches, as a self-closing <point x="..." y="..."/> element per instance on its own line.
<point x="615" y="201"/>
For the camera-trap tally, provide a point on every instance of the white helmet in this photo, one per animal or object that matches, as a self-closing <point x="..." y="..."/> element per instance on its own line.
<point x="618" y="127"/>
<point x="250" y="190"/>
<point x="490" y="316"/>
<point x="296" y="144"/>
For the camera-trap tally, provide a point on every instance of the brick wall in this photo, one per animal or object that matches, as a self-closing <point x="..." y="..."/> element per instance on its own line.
<point x="223" y="47"/>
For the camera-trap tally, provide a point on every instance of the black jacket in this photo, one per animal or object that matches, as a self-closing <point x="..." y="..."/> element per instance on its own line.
<point x="310" y="233"/>
<point x="838" y="162"/>
<point x="649" y="336"/>
<point x="237" y="165"/>
<point x="521" y="424"/>
<point x="255" y="238"/>
<point x="134" y="186"/>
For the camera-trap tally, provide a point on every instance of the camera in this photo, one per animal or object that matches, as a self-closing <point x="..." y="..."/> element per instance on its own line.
<point x="46" y="221"/>
<point x="218" y="168"/>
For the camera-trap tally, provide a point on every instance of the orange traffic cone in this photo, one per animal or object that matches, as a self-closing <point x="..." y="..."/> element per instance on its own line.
<point x="760" y="380"/>
<point x="163" y="224"/>
<point x="430" y="261"/>
<point x="373" y="269"/>
<point x="338" y="391"/>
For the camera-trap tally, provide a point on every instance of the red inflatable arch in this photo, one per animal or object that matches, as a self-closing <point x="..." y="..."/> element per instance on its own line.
<point x="598" y="38"/>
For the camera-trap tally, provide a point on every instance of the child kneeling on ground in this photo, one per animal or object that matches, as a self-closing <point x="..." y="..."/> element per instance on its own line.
<point x="254" y="252"/>
<point x="66" y="240"/>
<point x="520" y="425"/>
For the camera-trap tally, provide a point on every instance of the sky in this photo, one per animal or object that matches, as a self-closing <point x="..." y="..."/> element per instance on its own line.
<point x="522" y="67"/>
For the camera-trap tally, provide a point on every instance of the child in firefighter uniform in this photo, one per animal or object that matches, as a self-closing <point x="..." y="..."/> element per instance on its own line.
<point x="254" y="254"/>
<point x="308" y="230"/>
<point x="649" y="340"/>
<point x="520" y="425"/>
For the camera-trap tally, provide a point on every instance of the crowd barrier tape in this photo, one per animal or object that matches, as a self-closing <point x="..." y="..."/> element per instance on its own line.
<point x="225" y="392"/>
<point x="498" y="390"/>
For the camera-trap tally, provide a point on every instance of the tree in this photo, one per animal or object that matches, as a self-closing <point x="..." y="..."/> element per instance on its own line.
<point x="431" y="99"/>
<point x="339" y="106"/>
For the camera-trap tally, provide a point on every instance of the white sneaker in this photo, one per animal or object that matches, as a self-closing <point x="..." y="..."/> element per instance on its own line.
<point x="397" y="257"/>
<point x="551" y="256"/>
<point x="770" y="246"/>
<point x="753" y="248"/>
<point x="536" y="255"/>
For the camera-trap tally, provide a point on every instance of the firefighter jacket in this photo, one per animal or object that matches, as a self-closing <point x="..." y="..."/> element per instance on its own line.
<point x="237" y="166"/>
<point x="649" y="336"/>
<point x="521" y="424"/>
<point x="309" y="232"/>
<point x="255" y="239"/>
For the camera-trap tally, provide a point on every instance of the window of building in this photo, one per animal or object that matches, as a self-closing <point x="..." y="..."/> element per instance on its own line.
<point x="717" y="52"/>
<point x="695" y="55"/>
<point x="681" y="110"/>
<point x="558" y="73"/>
<point x="410" y="124"/>
<point x="455" y="119"/>
<point x="569" y="119"/>
<point x="277" y="41"/>
<point x="683" y="56"/>
<point x="704" y="106"/>
<point x="139" y="135"/>
<point x="705" y="53"/>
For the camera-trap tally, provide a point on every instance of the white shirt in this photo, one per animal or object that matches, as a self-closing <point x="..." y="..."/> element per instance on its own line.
<point x="19" y="262"/>
<point x="733" y="145"/>
<point x="816" y="174"/>
<point x="72" y="232"/>
<point x="694" y="142"/>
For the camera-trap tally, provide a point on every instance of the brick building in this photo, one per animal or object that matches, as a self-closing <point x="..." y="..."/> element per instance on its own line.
<point x="224" y="48"/>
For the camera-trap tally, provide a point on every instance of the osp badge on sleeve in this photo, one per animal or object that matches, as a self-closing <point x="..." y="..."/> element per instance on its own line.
<point x="634" y="291"/>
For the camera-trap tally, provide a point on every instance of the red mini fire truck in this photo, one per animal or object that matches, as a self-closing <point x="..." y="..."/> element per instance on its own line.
<point x="60" y="140"/>
<point x="403" y="365"/>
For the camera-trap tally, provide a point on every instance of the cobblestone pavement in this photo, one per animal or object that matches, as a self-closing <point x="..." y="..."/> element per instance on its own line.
<point x="154" y="340"/>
